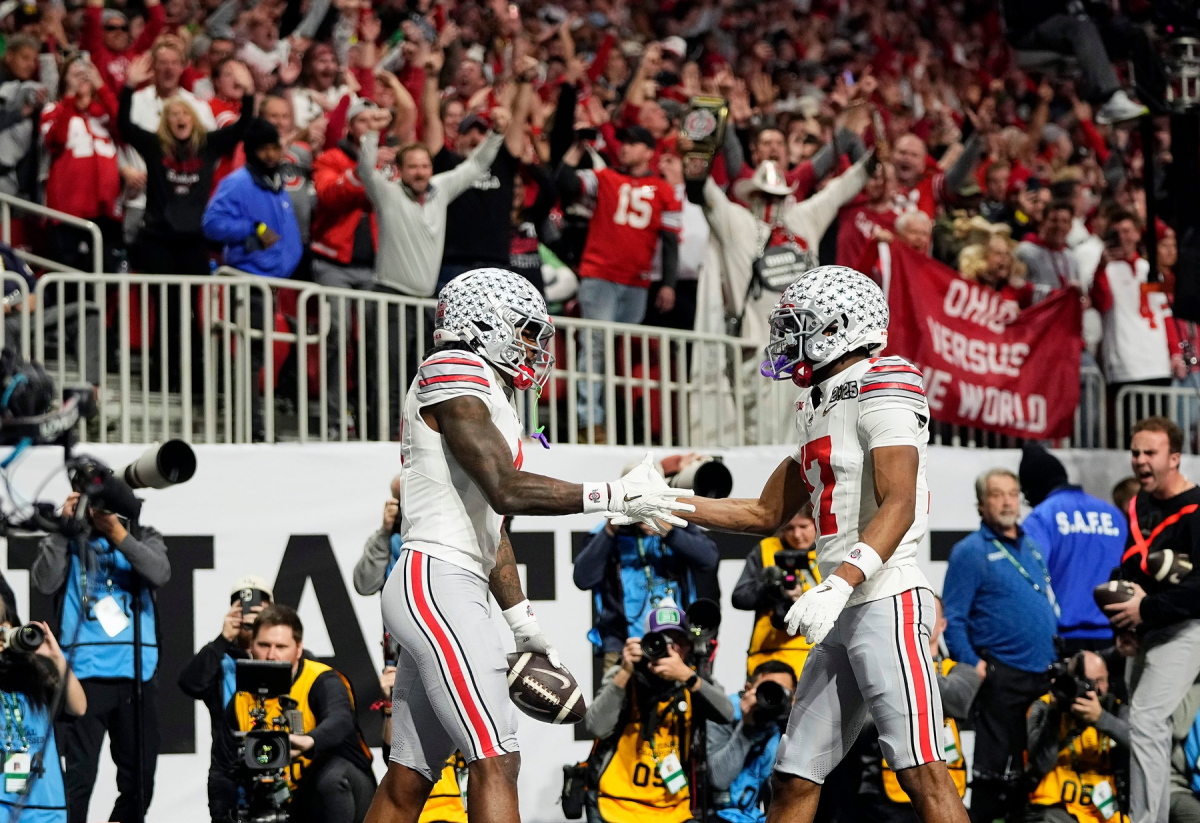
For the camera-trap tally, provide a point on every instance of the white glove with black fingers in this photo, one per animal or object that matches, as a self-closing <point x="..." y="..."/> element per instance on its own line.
<point x="814" y="614"/>
<point x="527" y="634"/>
<point x="643" y="496"/>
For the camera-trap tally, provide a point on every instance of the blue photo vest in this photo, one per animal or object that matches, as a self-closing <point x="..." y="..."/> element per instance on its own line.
<point x="46" y="800"/>
<point x="1191" y="750"/>
<point x="641" y="561"/>
<point x="745" y="793"/>
<point x="91" y="652"/>
<point x="396" y="544"/>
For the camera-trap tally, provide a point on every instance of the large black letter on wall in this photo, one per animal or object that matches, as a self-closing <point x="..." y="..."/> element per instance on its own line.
<point x="311" y="556"/>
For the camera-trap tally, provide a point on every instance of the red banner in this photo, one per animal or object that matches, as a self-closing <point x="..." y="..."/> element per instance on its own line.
<point x="987" y="364"/>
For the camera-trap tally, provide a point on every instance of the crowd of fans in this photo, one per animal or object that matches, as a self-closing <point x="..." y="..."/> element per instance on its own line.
<point x="417" y="140"/>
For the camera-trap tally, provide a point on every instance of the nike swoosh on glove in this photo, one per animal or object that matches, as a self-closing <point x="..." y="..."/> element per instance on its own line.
<point x="646" y="498"/>
<point x="814" y="614"/>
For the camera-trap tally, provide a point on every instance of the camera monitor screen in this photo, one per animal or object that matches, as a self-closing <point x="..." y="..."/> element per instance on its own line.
<point x="266" y="678"/>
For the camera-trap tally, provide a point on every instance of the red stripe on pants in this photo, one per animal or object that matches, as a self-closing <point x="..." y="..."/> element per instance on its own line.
<point x="912" y="654"/>
<point x="456" y="670"/>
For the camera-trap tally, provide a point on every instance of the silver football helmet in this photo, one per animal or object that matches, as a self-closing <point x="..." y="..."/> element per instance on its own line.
<point x="501" y="316"/>
<point x="827" y="313"/>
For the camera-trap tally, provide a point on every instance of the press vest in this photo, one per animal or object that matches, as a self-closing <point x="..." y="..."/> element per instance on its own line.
<point x="642" y="563"/>
<point x="745" y="792"/>
<point x="954" y="758"/>
<point x="445" y="803"/>
<point x="630" y="787"/>
<point x="1080" y="766"/>
<point x="92" y="652"/>
<point x="301" y="687"/>
<point x="768" y="642"/>
<point x="46" y="800"/>
<point x="1191" y="750"/>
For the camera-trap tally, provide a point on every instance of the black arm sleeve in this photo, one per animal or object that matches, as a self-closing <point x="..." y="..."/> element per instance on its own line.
<point x="223" y="141"/>
<point x="566" y="180"/>
<point x="335" y="716"/>
<point x="562" y="133"/>
<point x="748" y="593"/>
<point x="203" y="672"/>
<point x="144" y="141"/>
<point x="670" y="257"/>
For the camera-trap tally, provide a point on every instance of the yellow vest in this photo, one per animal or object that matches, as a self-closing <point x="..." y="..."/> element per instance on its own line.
<point x="954" y="757"/>
<point x="630" y="788"/>
<point x="768" y="642"/>
<point x="445" y="803"/>
<point x="1080" y="766"/>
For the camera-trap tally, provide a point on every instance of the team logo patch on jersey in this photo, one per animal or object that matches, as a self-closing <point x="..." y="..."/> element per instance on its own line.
<point x="846" y="391"/>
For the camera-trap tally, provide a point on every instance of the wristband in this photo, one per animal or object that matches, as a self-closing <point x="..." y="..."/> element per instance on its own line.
<point x="691" y="681"/>
<point x="596" y="497"/>
<point x="520" y="616"/>
<point x="864" y="558"/>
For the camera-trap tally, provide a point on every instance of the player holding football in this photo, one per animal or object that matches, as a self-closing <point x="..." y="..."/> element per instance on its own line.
<point x="462" y="455"/>
<point x="863" y="425"/>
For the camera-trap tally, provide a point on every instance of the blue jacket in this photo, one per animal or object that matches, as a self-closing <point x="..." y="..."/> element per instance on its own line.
<point x="1191" y="751"/>
<point x="990" y="605"/>
<point x="46" y="800"/>
<point x="745" y="793"/>
<point x="92" y="652"/>
<point x="237" y="207"/>
<point x="1082" y="539"/>
<point x="629" y="576"/>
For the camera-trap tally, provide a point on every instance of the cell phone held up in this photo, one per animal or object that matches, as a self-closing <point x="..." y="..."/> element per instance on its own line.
<point x="250" y="599"/>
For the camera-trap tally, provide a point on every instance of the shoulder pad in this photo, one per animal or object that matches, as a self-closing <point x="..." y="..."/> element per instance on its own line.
<point x="449" y="373"/>
<point x="892" y="377"/>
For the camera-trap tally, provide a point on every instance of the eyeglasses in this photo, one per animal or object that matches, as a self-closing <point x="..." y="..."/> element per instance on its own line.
<point x="118" y="27"/>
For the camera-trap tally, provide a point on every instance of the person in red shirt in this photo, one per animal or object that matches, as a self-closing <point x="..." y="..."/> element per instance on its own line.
<point x="106" y="36"/>
<point x="84" y="179"/>
<point x="869" y="218"/>
<point x="920" y="187"/>
<point x="632" y="210"/>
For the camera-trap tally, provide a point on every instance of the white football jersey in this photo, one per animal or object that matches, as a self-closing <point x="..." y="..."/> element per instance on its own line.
<point x="444" y="513"/>
<point x="878" y="402"/>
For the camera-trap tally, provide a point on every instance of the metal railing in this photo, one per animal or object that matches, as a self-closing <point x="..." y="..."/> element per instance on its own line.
<point x="8" y="202"/>
<point x="1178" y="403"/>
<point x="236" y="358"/>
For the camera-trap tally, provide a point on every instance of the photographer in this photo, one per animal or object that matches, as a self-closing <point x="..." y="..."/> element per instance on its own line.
<point x="632" y="571"/>
<point x="880" y="796"/>
<point x="778" y="570"/>
<point x="643" y="718"/>
<point x="94" y="577"/>
<point x="742" y="757"/>
<point x="30" y="686"/>
<point x="1072" y="733"/>
<point x="209" y="676"/>
<point x="330" y="773"/>
<point x="382" y="547"/>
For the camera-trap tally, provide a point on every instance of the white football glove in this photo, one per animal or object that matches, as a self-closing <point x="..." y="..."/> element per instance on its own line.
<point x="814" y="614"/>
<point x="528" y="636"/>
<point x="642" y="496"/>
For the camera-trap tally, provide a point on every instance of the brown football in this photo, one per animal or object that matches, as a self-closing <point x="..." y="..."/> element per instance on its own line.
<point x="543" y="692"/>
<point x="1114" y="591"/>
<point x="1168" y="566"/>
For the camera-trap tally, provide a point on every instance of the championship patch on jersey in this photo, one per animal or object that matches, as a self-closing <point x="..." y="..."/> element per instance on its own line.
<point x="892" y="377"/>
<point x="454" y="373"/>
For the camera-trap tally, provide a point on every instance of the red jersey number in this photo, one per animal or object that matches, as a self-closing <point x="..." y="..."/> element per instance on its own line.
<point x="818" y="452"/>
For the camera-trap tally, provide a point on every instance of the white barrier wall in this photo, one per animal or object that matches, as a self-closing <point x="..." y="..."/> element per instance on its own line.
<point x="248" y="506"/>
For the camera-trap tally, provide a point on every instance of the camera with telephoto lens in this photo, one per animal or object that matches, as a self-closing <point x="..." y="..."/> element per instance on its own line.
<point x="266" y="752"/>
<point x="655" y="645"/>
<point x="26" y="639"/>
<point x="772" y="702"/>
<point x="1066" y="682"/>
<point x="784" y="575"/>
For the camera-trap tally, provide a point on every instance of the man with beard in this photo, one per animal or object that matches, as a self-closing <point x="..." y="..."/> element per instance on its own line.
<point x="209" y="676"/>
<point x="766" y="247"/>
<point x="1001" y="617"/>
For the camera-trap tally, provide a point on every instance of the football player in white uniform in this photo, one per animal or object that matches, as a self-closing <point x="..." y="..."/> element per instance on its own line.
<point x="462" y="454"/>
<point x="863" y="428"/>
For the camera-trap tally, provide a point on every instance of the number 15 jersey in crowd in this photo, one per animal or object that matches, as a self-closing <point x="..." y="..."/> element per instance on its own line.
<point x="627" y="215"/>
<point x="878" y="402"/>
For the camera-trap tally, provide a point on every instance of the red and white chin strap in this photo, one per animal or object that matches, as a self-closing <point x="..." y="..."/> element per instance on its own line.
<point x="524" y="378"/>
<point x="802" y="374"/>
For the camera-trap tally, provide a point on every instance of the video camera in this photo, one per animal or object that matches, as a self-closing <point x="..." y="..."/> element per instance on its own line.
<point x="266" y="749"/>
<point x="787" y="573"/>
